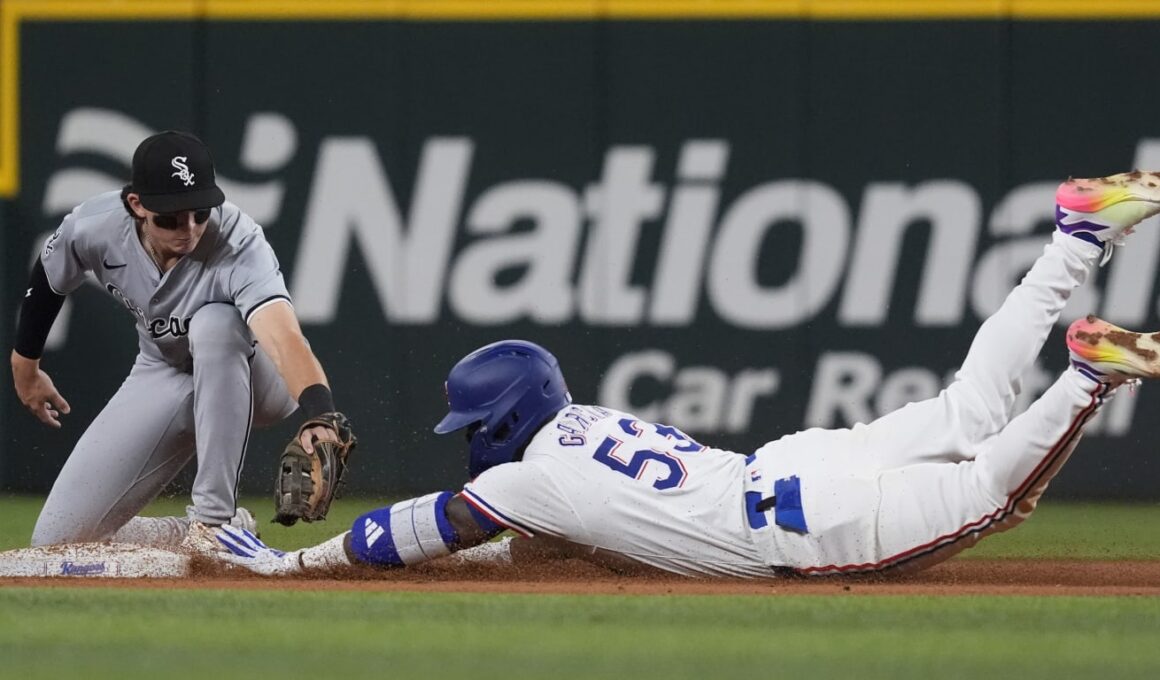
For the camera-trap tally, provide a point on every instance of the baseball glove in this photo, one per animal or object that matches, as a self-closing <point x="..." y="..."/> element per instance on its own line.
<point x="308" y="482"/>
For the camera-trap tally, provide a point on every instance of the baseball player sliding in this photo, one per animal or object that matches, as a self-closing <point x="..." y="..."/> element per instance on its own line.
<point x="901" y="493"/>
<point x="220" y="351"/>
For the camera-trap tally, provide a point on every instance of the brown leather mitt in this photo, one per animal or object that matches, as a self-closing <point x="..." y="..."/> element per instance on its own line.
<point x="308" y="482"/>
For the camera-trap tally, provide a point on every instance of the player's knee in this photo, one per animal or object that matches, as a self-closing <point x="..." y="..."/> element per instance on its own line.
<point x="218" y="328"/>
<point x="978" y="416"/>
<point x="40" y="537"/>
<point x="55" y="531"/>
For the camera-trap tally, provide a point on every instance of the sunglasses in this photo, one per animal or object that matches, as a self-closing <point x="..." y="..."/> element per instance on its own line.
<point x="171" y="221"/>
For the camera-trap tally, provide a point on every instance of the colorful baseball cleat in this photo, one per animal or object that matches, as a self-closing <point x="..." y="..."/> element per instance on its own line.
<point x="1108" y="353"/>
<point x="1102" y="211"/>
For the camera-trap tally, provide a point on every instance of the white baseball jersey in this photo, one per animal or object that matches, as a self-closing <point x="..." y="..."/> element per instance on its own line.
<point x="233" y="263"/>
<point x="603" y="478"/>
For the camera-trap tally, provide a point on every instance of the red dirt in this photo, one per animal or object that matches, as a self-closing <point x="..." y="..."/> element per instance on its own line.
<point x="958" y="577"/>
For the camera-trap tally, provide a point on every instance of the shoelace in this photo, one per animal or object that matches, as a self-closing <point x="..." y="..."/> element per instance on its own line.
<point x="1110" y="246"/>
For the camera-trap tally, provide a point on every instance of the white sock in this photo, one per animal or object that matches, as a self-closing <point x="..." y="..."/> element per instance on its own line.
<point x="326" y="555"/>
<point x="495" y="553"/>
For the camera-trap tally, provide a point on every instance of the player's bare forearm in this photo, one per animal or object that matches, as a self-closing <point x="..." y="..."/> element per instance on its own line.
<point x="466" y="528"/>
<point x="300" y="368"/>
<point x="280" y="337"/>
<point x="36" y="390"/>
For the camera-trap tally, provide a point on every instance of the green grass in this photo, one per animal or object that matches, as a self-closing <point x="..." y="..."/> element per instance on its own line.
<point x="1080" y="531"/>
<point x="52" y="633"/>
<point x="98" y="632"/>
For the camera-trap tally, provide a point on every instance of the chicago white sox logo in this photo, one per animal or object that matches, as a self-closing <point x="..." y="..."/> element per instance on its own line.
<point x="117" y="294"/>
<point x="183" y="172"/>
<point x="158" y="328"/>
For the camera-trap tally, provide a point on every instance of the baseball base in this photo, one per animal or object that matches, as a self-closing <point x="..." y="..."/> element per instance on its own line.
<point x="103" y="560"/>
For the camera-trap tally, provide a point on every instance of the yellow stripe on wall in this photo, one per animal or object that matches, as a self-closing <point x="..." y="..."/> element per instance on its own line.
<point x="14" y="12"/>
<point x="564" y="10"/>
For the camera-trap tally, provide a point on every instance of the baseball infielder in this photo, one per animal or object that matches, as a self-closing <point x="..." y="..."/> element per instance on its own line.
<point x="220" y="351"/>
<point x="901" y="493"/>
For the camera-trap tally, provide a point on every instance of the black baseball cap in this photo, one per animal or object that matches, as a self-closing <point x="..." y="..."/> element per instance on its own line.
<point x="173" y="171"/>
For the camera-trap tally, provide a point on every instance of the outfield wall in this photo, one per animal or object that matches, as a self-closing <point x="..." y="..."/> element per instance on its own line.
<point x="741" y="225"/>
<point x="6" y="311"/>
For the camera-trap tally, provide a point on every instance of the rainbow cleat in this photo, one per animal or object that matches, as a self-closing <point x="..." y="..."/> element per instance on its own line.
<point x="1108" y="353"/>
<point x="1102" y="211"/>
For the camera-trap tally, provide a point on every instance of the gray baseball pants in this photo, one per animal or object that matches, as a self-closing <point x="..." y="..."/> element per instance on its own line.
<point x="154" y="425"/>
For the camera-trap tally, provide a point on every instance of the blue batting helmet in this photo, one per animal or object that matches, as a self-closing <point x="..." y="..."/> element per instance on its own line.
<point x="510" y="388"/>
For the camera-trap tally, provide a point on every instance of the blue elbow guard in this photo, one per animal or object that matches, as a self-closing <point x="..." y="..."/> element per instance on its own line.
<point x="409" y="532"/>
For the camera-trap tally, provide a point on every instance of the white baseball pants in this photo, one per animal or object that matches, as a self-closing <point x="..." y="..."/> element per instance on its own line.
<point x="932" y="478"/>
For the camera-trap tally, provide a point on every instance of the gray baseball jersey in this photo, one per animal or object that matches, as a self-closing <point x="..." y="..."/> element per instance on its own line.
<point x="198" y="384"/>
<point x="233" y="263"/>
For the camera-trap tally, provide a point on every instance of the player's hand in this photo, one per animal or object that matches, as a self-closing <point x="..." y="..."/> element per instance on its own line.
<point x="248" y="551"/>
<point x="316" y="433"/>
<point x="307" y="483"/>
<point x="37" y="392"/>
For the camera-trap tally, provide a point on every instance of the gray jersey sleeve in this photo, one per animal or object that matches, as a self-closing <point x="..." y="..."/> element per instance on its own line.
<point x="72" y="249"/>
<point x="255" y="277"/>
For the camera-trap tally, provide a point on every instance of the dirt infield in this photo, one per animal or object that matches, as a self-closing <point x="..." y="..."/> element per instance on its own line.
<point x="958" y="577"/>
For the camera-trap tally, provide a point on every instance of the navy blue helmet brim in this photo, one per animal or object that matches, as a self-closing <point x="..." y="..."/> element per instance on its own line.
<point x="457" y="420"/>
